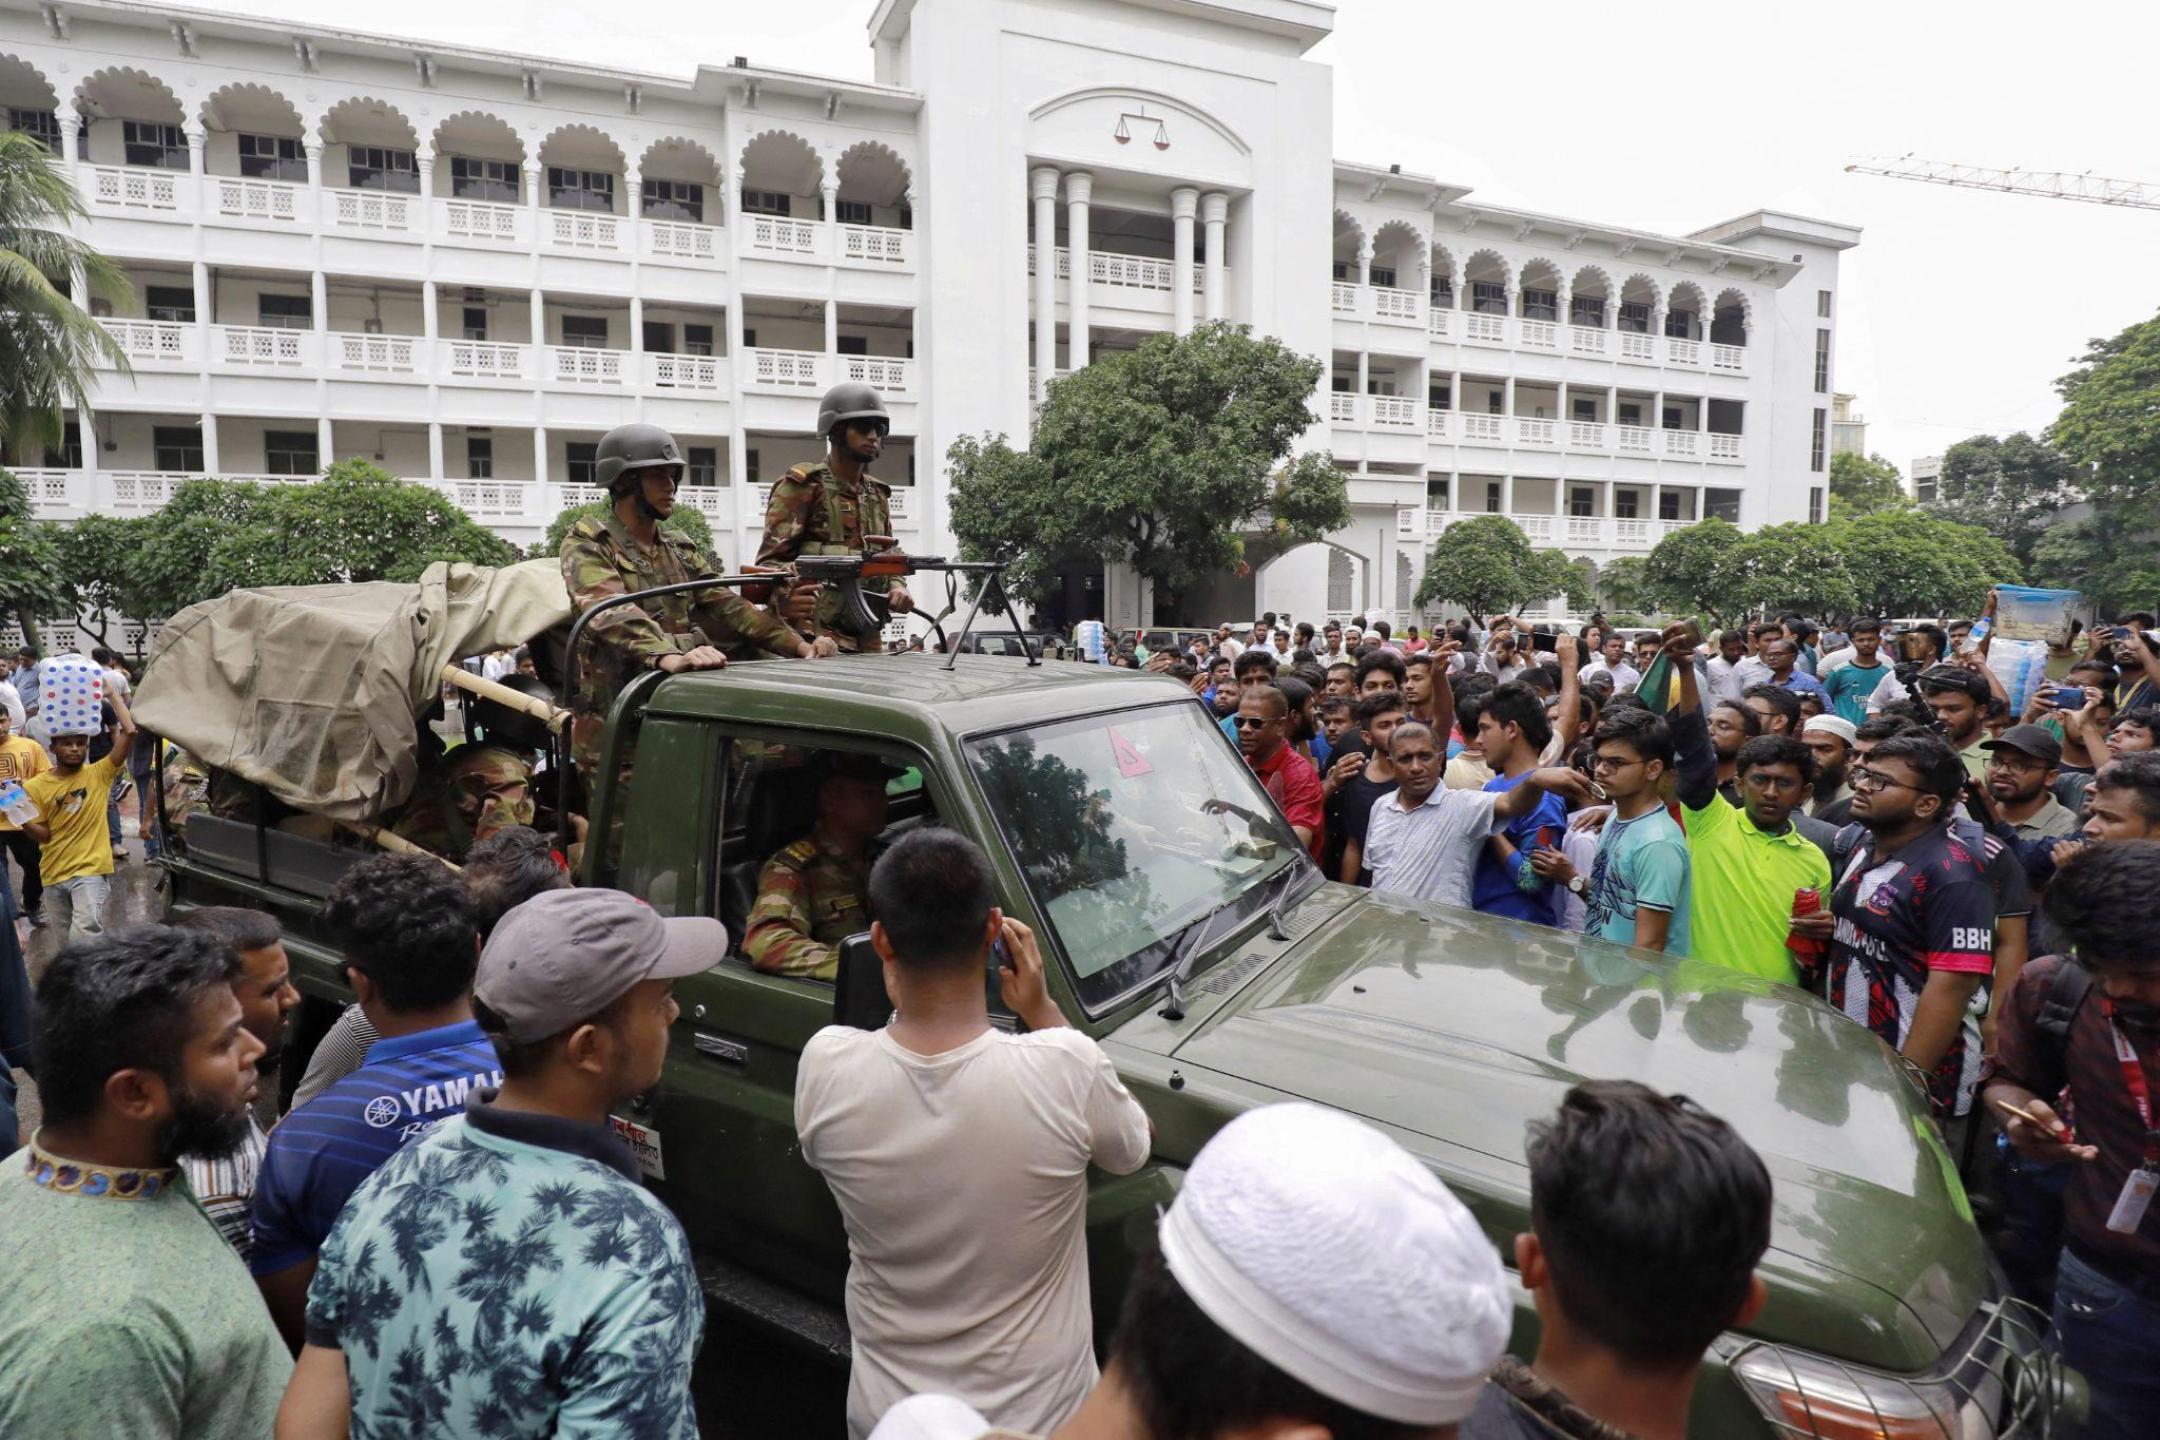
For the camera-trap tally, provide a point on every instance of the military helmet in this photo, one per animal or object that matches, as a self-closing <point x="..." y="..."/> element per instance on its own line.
<point x="501" y="725"/>
<point x="627" y="449"/>
<point x="850" y="400"/>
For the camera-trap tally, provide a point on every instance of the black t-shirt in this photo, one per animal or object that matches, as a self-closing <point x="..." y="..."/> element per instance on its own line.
<point x="1358" y="796"/>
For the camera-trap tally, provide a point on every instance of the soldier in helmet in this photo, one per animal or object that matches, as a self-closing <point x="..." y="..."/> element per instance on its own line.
<point x="466" y="796"/>
<point x="815" y="893"/>
<point x="835" y="508"/>
<point x="626" y="550"/>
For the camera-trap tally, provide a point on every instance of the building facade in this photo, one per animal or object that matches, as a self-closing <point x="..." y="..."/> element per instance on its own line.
<point x="1926" y="478"/>
<point x="1848" y="427"/>
<point x="467" y="266"/>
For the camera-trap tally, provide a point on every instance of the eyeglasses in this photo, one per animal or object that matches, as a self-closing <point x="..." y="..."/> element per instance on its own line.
<point x="1862" y="778"/>
<point x="1250" y="722"/>
<point x="1607" y="762"/>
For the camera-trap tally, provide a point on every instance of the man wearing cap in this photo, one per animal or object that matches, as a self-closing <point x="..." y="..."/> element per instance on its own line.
<point x="2021" y="772"/>
<point x="509" y="1276"/>
<point x="1829" y="738"/>
<point x="1629" y="1294"/>
<point x="959" y="1153"/>
<point x="815" y="892"/>
<point x="1958" y="698"/>
<point x="1314" y="1279"/>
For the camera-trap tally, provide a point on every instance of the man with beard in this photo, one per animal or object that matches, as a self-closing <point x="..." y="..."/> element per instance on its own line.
<point x="1829" y="738"/>
<point x="1359" y="782"/>
<point x="126" y="1314"/>
<point x="2103" y="1058"/>
<point x="1732" y="724"/>
<point x="262" y="983"/>
<point x="2021" y="773"/>
<point x="1958" y="698"/>
<point x="410" y="940"/>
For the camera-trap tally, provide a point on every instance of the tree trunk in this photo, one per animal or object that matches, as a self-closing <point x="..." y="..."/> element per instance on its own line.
<point x="29" y="628"/>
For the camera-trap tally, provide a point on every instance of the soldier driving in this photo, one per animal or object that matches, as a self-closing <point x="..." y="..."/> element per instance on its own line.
<point x="626" y="550"/>
<point x="835" y="508"/>
<point x="815" y="893"/>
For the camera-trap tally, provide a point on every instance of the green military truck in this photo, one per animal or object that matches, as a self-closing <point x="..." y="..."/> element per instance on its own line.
<point x="1186" y="930"/>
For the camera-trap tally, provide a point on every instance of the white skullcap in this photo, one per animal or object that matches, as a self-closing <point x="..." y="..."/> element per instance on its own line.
<point x="1322" y="1246"/>
<point x="1836" y="725"/>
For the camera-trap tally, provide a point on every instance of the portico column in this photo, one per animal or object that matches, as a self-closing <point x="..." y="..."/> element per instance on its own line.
<point x="1567" y="412"/>
<point x="325" y="452"/>
<point x="829" y="199"/>
<point x="1454" y="393"/>
<point x="212" y="462"/>
<point x="1184" y="203"/>
<point x="314" y="153"/>
<point x="424" y="202"/>
<point x="1507" y="408"/>
<point x="1215" y="213"/>
<point x="430" y="321"/>
<point x="538" y="311"/>
<point x="1364" y="263"/>
<point x="1364" y="377"/>
<point x="1042" y="188"/>
<point x="832" y="333"/>
<point x="80" y="109"/>
<point x="197" y="138"/>
<point x="435" y="451"/>
<point x="535" y="176"/>
<point x="1657" y="412"/>
<point x="540" y="455"/>
<point x="1657" y="325"/>
<point x="86" y="438"/>
<point x="1612" y="405"/>
<point x="1507" y="493"/>
<point x="1079" y="190"/>
<point x="201" y="276"/>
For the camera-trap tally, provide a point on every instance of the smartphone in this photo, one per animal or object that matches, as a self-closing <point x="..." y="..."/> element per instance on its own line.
<point x="2068" y="697"/>
<point x="1543" y="639"/>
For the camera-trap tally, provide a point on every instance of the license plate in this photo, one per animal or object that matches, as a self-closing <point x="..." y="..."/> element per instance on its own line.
<point x="644" y="1141"/>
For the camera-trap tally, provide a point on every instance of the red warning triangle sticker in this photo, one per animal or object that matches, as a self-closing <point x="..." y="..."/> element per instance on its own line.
<point x="1130" y="762"/>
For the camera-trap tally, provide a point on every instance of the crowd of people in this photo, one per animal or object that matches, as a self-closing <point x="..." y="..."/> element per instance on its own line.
<point x="445" y="1236"/>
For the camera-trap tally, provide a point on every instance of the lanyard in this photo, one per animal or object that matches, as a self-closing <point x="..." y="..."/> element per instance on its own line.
<point x="2134" y="1081"/>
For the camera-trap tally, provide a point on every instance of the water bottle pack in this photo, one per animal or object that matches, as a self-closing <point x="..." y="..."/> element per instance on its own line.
<point x="73" y="696"/>
<point x="16" y="804"/>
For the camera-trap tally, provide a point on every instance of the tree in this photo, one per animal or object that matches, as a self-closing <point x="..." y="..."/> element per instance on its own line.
<point x="48" y="343"/>
<point x="687" y="521"/>
<point x="1621" y="584"/>
<point x="31" y="583"/>
<point x="2109" y="425"/>
<point x="1693" y="571"/>
<point x="101" y="561"/>
<point x="2010" y="486"/>
<point x="1903" y="562"/>
<point x="1157" y="458"/>
<point x="1865" y="483"/>
<point x="1485" y="565"/>
<point x="173" y="560"/>
<point x="2091" y="557"/>
<point x="1793" y="566"/>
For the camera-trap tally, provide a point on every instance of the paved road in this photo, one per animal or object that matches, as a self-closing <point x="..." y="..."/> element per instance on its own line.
<point x="750" y="1384"/>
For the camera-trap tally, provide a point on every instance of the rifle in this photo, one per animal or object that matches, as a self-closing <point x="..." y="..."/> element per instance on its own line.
<point x="845" y="573"/>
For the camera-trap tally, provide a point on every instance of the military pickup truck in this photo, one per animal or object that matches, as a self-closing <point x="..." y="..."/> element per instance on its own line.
<point x="1186" y="930"/>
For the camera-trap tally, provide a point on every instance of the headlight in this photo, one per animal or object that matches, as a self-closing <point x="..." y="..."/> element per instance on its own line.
<point x="1813" y="1396"/>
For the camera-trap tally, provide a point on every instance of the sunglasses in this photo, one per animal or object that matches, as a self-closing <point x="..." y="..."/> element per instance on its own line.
<point x="1250" y="722"/>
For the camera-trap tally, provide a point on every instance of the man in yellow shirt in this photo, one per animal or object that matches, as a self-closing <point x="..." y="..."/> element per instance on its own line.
<point x="71" y="799"/>
<point x="22" y="759"/>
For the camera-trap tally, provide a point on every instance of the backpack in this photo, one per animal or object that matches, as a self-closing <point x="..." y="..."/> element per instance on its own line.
<point x="2066" y="991"/>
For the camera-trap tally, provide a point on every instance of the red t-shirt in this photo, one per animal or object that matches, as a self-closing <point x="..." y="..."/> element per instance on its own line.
<point x="1294" y="786"/>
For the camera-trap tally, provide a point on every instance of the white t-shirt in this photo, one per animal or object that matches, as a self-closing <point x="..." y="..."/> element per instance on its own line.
<point x="962" y="1179"/>
<point x="1430" y="852"/>
<point x="1624" y="675"/>
<point x="937" y="1417"/>
<point x="1888" y="691"/>
<point x="11" y="701"/>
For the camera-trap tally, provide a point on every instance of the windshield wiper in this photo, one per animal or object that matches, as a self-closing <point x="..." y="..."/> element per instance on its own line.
<point x="1186" y="959"/>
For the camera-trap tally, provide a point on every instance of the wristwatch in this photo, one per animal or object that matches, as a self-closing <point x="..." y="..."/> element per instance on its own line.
<point x="1577" y="885"/>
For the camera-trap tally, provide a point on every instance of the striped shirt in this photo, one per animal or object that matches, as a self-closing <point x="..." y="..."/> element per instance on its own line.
<point x="1429" y="852"/>
<point x="225" y="1186"/>
<point x="322" y="1152"/>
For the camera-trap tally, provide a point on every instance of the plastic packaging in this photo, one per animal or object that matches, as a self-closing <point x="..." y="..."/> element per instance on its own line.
<point x="16" y="804"/>
<point x="2027" y="623"/>
<point x="73" y="698"/>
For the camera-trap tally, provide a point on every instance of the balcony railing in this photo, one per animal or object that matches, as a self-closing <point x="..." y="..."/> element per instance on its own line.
<point x="1405" y="305"/>
<point x="1585" y="435"/>
<point x="1634" y="439"/>
<point x="484" y="359"/>
<point x="578" y="365"/>
<point x="1637" y="347"/>
<point x="1395" y="411"/>
<point x="1343" y="297"/>
<point x="1724" y="447"/>
<point x="375" y="354"/>
<point x="1728" y="357"/>
<point x="1683" y="352"/>
<point x="1584" y="340"/>
<point x="151" y="340"/>
<point x="1342" y="406"/>
<point x="1130" y="272"/>
<point x="257" y="199"/>
<point x="373" y="210"/>
<point x="874" y="244"/>
<point x="1585" y="529"/>
<point x="482" y="220"/>
<point x="786" y="369"/>
<point x="584" y="230"/>
<point x="257" y="346"/>
<point x="1536" y="527"/>
<point x="135" y="187"/>
<point x="1437" y="422"/>
<point x="1679" y="442"/>
<point x="1483" y="429"/>
<point x="1535" y="432"/>
<point x="681" y="240"/>
<point x="1064" y="263"/>
<point x="883" y="372"/>
<point x="1438" y="320"/>
<point x="778" y="235"/>
<point x="684" y="372"/>
<point x="1540" y="335"/>
<point x="1485" y="329"/>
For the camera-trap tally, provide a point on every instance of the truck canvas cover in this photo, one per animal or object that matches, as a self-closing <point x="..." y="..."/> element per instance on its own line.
<point x="312" y="691"/>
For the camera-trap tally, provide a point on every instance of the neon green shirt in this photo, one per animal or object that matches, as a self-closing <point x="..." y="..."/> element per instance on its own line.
<point x="1743" y="885"/>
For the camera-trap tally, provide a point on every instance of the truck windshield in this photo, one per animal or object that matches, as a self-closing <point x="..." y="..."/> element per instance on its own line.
<point x="1130" y="827"/>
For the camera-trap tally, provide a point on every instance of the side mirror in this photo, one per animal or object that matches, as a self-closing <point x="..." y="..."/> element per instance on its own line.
<point x="859" y="998"/>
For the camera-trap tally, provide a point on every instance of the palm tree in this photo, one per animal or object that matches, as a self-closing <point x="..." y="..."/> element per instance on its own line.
<point x="48" y="342"/>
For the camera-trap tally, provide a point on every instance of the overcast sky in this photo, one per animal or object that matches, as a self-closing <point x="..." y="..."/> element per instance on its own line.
<point x="1959" y="308"/>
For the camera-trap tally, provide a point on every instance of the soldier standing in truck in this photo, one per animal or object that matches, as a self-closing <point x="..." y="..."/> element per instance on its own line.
<point x="834" y="507"/>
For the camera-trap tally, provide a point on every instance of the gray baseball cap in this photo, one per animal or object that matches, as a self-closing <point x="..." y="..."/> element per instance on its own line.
<point x="565" y="955"/>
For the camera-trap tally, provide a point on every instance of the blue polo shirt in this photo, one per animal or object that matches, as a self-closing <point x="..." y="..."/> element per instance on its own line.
<point x="319" y="1154"/>
<point x="1493" y="889"/>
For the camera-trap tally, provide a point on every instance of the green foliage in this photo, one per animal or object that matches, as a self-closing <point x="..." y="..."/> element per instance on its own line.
<point x="1903" y="562"/>
<point x="31" y="580"/>
<point x="1865" y="483"/>
<point x="1795" y="566"/>
<point x="687" y="521"/>
<point x="2009" y="486"/>
<point x="2094" y="558"/>
<point x="101" y="562"/>
<point x="356" y="523"/>
<point x="1694" y="571"/>
<point x="1158" y="458"/>
<point x="49" y="345"/>
<point x="1621" y="585"/>
<point x="2109" y="424"/>
<point x="1485" y="565"/>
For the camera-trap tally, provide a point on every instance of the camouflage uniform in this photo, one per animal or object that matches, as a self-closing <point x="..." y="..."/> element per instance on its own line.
<point x="601" y="560"/>
<point x="813" y="513"/>
<point x="465" y="797"/>
<point x="810" y="898"/>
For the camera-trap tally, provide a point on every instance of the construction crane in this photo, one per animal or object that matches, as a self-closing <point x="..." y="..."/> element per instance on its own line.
<point x="2049" y="184"/>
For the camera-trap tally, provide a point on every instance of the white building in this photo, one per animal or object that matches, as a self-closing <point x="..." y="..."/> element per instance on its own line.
<point x="470" y="265"/>
<point x="1848" y="427"/>
<point x="1926" y="478"/>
